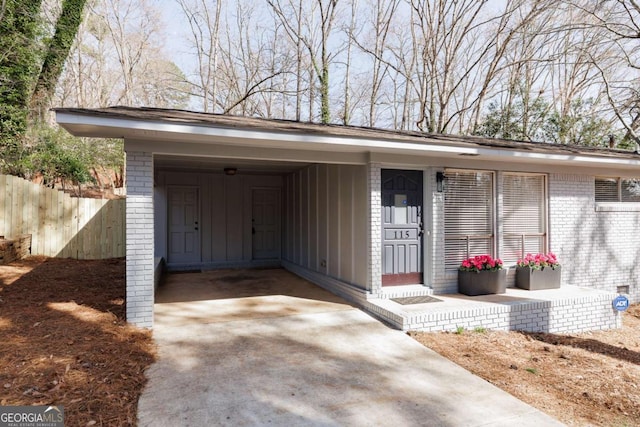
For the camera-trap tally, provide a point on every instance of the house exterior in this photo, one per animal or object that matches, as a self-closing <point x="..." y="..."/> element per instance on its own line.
<point x="362" y="212"/>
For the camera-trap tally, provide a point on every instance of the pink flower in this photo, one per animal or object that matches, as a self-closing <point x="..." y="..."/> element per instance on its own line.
<point x="481" y="262"/>
<point x="539" y="261"/>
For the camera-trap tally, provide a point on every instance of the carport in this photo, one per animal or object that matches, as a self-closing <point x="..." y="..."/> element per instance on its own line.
<point x="208" y="191"/>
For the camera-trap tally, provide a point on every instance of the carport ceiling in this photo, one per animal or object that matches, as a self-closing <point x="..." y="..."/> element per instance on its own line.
<point x="216" y="164"/>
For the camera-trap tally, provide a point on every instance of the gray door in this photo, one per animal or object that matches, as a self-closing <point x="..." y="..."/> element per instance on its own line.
<point x="265" y="224"/>
<point x="184" y="225"/>
<point x="401" y="227"/>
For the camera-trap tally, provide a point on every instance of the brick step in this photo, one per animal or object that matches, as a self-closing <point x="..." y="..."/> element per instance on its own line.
<point x="569" y="309"/>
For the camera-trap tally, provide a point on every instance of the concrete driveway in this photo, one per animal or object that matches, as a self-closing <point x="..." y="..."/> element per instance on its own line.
<point x="264" y="347"/>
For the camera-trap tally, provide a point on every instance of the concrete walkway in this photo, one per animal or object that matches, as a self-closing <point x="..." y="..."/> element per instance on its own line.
<point x="263" y="347"/>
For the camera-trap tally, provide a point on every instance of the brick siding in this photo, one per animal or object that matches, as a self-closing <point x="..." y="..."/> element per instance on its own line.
<point x="140" y="231"/>
<point x="597" y="249"/>
<point x="375" y="233"/>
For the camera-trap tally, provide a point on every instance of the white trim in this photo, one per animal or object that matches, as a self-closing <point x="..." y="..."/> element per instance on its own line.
<point x="86" y="125"/>
<point x="617" y="207"/>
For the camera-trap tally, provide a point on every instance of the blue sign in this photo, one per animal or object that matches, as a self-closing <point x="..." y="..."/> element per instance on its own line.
<point x="621" y="303"/>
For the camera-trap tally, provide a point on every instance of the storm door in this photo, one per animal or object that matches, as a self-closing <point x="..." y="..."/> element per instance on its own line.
<point x="184" y="225"/>
<point x="402" y="227"/>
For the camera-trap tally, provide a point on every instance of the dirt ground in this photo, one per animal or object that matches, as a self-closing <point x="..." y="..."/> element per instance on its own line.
<point x="582" y="380"/>
<point x="65" y="341"/>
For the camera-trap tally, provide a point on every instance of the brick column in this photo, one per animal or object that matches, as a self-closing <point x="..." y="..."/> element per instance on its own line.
<point x="440" y="281"/>
<point x="139" y="215"/>
<point x="375" y="228"/>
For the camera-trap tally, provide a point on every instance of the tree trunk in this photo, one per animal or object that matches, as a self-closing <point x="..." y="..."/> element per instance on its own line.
<point x="56" y="55"/>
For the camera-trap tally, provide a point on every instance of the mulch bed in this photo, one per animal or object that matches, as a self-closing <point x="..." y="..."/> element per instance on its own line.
<point x="586" y="379"/>
<point x="65" y="340"/>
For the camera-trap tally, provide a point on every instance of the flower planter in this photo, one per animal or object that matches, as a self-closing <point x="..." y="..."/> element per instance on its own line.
<point x="482" y="282"/>
<point x="533" y="280"/>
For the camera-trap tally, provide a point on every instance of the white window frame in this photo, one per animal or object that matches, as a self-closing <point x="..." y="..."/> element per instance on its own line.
<point x="497" y="221"/>
<point x="543" y="215"/>
<point x="491" y="237"/>
<point x="619" y="204"/>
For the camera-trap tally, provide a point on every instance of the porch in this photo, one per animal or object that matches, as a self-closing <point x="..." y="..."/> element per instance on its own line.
<point x="569" y="309"/>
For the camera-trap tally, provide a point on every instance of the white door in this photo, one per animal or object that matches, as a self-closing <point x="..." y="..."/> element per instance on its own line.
<point x="184" y="225"/>
<point x="265" y="224"/>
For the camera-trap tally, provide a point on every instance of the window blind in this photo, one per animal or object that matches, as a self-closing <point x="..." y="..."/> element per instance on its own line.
<point x="523" y="216"/>
<point x="468" y="215"/>
<point x="606" y="189"/>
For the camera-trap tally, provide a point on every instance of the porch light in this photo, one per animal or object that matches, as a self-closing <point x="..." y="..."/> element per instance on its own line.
<point x="230" y="171"/>
<point x="440" y="182"/>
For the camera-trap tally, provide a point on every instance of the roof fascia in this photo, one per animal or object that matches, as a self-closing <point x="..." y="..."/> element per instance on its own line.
<point x="145" y="130"/>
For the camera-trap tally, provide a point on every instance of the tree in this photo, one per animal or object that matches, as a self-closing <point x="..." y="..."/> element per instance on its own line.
<point x="57" y="52"/>
<point x="620" y="21"/>
<point x="204" y="26"/>
<point x="118" y="59"/>
<point x="58" y="157"/>
<point x="381" y="20"/>
<point x="580" y="125"/>
<point x="318" y="50"/>
<point x="19" y="63"/>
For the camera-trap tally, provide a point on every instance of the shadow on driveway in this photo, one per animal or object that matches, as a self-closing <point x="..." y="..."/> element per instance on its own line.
<point x="305" y="361"/>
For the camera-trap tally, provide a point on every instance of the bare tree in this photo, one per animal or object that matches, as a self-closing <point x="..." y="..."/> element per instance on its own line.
<point x="513" y="20"/>
<point x="381" y="20"/>
<point x="351" y="36"/>
<point x="128" y="31"/>
<point x="620" y="21"/>
<point x="247" y="68"/>
<point x="319" y="55"/>
<point x="204" y="25"/>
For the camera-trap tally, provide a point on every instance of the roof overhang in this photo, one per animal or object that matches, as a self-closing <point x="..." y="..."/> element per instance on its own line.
<point x="170" y="136"/>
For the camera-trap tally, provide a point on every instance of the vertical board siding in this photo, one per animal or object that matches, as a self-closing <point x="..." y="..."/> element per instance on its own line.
<point x="313" y="218"/>
<point x="326" y="221"/>
<point x="61" y="225"/>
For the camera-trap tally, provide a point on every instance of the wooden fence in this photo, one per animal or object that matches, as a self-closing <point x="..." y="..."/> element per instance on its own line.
<point x="61" y="225"/>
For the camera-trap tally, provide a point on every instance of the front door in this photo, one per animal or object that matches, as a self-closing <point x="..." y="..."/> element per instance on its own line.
<point x="184" y="225"/>
<point x="401" y="227"/>
<point x="265" y="224"/>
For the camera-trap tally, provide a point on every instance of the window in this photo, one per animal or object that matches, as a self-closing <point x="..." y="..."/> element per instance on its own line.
<point x="523" y="215"/>
<point x="607" y="190"/>
<point x="610" y="189"/>
<point x="470" y="216"/>
<point x="469" y="213"/>
<point x="630" y="190"/>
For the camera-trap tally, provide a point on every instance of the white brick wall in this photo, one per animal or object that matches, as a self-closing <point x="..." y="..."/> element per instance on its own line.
<point x="597" y="249"/>
<point x="441" y="283"/>
<point x="140" y="231"/>
<point x="563" y="315"/>
<point x="375" y="231"/>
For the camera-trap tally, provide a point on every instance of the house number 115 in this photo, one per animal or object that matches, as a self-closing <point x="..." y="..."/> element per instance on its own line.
<point x="402" y="234"/>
